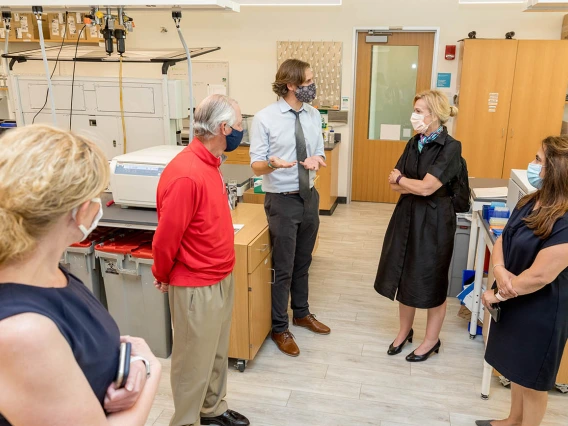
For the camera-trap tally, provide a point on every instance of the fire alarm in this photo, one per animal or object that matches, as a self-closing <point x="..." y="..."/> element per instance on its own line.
<point x="450" y="53"/>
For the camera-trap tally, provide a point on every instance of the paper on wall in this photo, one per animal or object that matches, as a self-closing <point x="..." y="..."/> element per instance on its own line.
<point x="72" y="26"/>
<point x="390" y="132"/>
<point x="216" y="89"/>
<point x="55" y="27"/>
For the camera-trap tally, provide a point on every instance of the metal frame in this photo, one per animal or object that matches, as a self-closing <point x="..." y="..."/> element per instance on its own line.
<point x="179" y="56"/>
<point x="356" y="30"/>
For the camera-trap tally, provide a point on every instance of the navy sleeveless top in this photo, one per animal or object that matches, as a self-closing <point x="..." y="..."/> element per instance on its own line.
<point x="83" y="321"/>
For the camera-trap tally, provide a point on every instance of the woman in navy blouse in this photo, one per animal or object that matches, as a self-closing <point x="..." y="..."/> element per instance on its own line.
<point x="59" y="347"/>
<point x="531" y="272"/>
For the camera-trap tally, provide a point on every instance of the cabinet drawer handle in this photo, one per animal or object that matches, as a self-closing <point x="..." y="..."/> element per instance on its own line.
<point x="273" y="277"/>
<point x="263" y="248"/>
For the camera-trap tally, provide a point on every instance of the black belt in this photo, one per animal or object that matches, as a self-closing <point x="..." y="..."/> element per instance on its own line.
<point x="285" y="193"/>
<point x="289" y="192"/>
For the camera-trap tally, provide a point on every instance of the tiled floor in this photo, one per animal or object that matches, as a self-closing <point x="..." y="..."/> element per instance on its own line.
<point x="347" y="378"/>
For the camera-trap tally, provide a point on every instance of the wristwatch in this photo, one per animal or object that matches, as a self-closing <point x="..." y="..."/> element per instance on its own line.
<point x="271" y="166"/>
<point x="145" y="361"/>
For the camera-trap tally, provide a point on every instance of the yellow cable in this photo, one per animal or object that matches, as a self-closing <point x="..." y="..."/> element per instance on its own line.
<point x="121" y="103"/>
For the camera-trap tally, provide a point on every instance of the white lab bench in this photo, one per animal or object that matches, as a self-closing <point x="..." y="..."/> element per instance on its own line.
<point x="486" y="239"/>
<point x="476" y="206"/>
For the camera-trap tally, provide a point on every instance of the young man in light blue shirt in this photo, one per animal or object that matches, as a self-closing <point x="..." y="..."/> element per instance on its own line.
<point x="287" y="150"/>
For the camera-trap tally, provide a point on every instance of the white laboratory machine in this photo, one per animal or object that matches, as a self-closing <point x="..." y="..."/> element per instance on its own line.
<point x="153" y="109"/>
<point x="519" y="186"/>
<point x="134" y="177"/>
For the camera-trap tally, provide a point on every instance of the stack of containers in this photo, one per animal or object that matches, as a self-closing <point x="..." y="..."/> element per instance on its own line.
<point x="497" y="214"/>
<point x="136" y="305"/>
<point x="79" y="259"/>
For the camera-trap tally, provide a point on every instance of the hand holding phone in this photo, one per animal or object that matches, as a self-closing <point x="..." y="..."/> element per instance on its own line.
<point x="123" y="365"/>
<point x="495" y="311"/>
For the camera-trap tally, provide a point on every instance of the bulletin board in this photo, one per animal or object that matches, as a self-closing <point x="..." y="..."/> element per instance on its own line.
<point x="325" y="58"/>
<point x="209" y="77"/>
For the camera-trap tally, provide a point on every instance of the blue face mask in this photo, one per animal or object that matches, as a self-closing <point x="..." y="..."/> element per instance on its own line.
<point x="533" y="175"/>
<point x="234" y="140"/>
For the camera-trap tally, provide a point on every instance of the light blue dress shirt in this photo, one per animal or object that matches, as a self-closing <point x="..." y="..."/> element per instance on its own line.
<point x="273" y="134"/>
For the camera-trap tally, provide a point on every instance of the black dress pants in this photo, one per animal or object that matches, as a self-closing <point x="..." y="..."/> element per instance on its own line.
<point x="293" y="225"/>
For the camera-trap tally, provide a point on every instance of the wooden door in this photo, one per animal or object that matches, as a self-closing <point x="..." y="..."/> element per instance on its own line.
<point x="539" y="98"/>
<point x="260" y="304"/>
<point x="389" y="74"/>
<point x="485" y="87"/>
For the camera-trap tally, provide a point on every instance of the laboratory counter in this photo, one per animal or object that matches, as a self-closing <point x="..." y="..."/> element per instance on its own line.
<point x="253" y="271"/>
<point x="246" y="145"/>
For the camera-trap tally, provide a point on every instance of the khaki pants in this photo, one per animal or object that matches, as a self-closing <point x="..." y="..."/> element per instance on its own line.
<point x="201" y="319"/>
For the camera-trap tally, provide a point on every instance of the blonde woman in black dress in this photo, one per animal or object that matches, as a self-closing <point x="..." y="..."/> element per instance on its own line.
<point x="419" y="242"/>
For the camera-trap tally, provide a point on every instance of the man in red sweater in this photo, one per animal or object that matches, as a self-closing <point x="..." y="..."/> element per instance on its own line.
<point x="193" y="258"/>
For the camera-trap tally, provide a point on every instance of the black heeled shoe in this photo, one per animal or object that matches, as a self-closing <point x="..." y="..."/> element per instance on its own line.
<point x="412" y="357"/>
<point x="395" y="350"/>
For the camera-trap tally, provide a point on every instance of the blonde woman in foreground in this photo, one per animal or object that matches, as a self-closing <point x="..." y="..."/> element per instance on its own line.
<point x="59" y="347"/>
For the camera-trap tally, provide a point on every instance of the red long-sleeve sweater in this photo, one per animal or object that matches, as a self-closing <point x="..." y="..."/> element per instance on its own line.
<point x="194" y="242"/>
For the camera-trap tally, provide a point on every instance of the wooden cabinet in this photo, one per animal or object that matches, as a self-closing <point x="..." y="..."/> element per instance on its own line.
<point x="511" y="95"/>
<point x="253" y="274"/>
<point x="251" y="197"/>
<point x="486" y="66"/>
<point x="328" y="181"/>
<point x="238" y="156"/>
<point x="538" y="101"/>
<point x="328" y="177"/>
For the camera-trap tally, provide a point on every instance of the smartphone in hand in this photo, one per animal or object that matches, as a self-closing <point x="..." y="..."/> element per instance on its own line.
<point x="495" y="311"/>
<point x="123" y="365"/>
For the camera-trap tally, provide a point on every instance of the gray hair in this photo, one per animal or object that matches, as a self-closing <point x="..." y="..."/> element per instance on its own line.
<point x="211" y="113"/>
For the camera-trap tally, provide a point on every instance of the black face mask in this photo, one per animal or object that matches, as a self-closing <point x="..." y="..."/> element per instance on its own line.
<point x="234" y="140"/>
<point x="306" y="93"/>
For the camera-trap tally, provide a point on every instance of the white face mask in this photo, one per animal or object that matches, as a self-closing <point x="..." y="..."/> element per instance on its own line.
<point x="418" y="124"/>
<point x="96" y="220"/>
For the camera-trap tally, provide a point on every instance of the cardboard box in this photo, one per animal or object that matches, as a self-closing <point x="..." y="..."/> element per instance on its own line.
<point x="75" y="26"/>
<point x="24" y="27"/>
<point x="93" y="33"/>
<point x="564" y="34"/>
<point x="59" y="28"/>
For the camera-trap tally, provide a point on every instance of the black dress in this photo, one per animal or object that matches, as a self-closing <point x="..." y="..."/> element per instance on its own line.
<point x="89" y="329"/>
<point x="527" y="343"/>
<point x="419" y="241"/>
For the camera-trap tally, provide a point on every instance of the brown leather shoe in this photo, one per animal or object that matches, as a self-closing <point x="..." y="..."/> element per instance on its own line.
<point x="311" y="323"/>
<point x="285" y="342"/>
